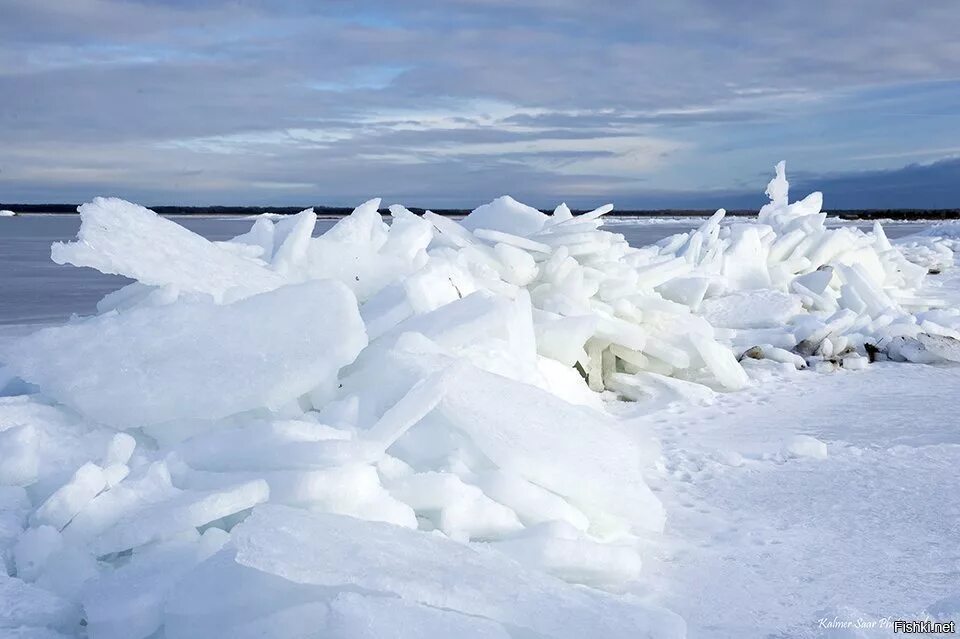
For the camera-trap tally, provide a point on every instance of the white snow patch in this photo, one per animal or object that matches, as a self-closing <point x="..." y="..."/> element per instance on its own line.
<point x="805" y="446"/>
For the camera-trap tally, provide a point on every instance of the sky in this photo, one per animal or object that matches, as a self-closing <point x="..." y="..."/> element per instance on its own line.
<point x="646" y="104"/>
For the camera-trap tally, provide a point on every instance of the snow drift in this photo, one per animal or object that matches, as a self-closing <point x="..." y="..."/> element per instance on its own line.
<point x="282" y="433"/>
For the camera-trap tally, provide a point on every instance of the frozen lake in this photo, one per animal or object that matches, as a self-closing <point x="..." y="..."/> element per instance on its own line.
<point x="34" y="290"/>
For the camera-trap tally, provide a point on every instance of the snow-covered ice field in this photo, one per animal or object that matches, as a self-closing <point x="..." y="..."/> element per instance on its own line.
<point x="513" y="425"/>
<point x="759" y="543"/>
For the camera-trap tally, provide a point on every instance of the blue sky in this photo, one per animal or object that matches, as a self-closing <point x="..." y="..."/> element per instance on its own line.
<point x="646" y="104"/>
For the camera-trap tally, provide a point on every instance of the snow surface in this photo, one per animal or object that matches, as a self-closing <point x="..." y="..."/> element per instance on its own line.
<point x="760" y="542"/>
<point x="515" y="425"/>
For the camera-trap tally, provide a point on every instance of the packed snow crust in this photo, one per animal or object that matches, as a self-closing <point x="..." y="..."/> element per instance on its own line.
<point x="400" y="430"/>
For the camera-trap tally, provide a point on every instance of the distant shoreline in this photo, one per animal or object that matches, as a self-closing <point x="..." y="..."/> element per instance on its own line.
<point x="336" y="211"/>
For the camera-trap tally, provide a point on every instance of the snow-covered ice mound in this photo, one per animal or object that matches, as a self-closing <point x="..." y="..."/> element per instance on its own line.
<point x="932" y="247"/>
<point x="396" y="430"/>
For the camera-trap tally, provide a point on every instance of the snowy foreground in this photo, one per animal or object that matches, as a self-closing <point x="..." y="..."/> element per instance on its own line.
<point x="512" y="426"/>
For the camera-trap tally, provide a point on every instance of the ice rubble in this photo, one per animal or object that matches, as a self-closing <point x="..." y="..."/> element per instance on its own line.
<point x="283" y="433"/>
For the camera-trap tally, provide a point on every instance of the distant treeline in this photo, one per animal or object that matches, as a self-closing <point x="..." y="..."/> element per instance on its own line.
<point x="338" y="211"/>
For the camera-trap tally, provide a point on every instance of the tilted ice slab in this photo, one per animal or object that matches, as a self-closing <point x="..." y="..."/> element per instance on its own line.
<point x="196" y="359"/>
<point x="570" y="450"/>
<point x="338" y="552"/>
<point x="121" y="238"/>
